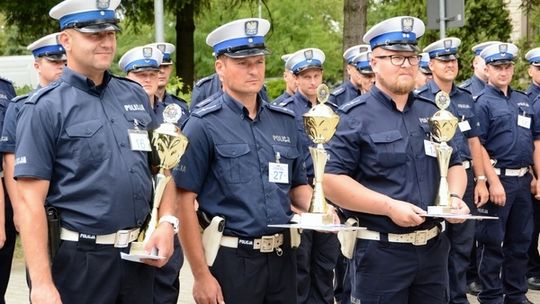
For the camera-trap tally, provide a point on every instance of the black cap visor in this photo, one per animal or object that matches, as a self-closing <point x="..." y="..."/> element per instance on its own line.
<point x="501" y="62"/>
<point x="96" y="26"/>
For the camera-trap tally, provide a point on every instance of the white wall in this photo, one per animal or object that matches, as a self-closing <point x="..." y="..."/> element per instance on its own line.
<point x="19" y="69"/>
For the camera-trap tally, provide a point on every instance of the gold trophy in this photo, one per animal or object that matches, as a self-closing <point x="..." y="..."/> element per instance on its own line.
<point x="320" y="125"/>
<point x="443" y="127"/>
<point x="169" y="144"/>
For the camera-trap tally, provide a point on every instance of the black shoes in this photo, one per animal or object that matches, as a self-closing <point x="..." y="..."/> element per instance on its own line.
<point x="474" y="288"/>
<point x="534" y="283"/>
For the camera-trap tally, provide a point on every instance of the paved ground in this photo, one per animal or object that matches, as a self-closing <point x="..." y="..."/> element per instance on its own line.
<point x="17" y="292"/>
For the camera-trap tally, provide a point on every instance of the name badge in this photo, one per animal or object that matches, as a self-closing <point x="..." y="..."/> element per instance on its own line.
<point x="524" y="121"/>
<point x="464" y="126"/>
<point x="278" y="173"/>
<point x="430" y="148"/>
<point x="139" y="141"/>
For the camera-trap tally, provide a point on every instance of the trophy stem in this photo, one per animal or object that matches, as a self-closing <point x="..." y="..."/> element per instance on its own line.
<point x="442" y="202"/>
<point x="318" y="208"/>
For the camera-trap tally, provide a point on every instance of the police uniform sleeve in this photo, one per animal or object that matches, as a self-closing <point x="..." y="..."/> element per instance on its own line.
<point x="536" y="119"/>
<point x="35" y="146"/>
<point x="194" y="165"/>
<point x="474" y="122"/>
<point x="7" y="141"/>
<point x="299" y="176"/>
<point x="343" y="149"/>
<point x="482" y="111"/>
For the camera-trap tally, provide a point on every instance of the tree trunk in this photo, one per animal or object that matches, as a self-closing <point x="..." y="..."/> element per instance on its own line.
<point x="185" y="28"/>
<point x="354" y="24"/>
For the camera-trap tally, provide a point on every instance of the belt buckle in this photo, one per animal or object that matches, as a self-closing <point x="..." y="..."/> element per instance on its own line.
<point x="420" y="237"/>
<point x="121" y="240"/>
<point x="267" y="243"/>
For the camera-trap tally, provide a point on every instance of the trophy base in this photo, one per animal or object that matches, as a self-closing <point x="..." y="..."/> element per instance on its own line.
<point x="439" y="209"/>
<point x="316" y="219"/>
<point x="138" y="254"/>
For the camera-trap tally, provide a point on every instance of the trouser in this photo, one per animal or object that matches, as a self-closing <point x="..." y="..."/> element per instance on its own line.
<point x="384" y="272"/>
<point x="461" y="237"/>
<point x="167" y="281"/>
<point x="86" y="273"/>
<point x="503" y="244"/>
<point x="533" y="268"/>
<point x="6" y="253"/>
<point x="249" y="276"/>
<point x="342" y="286"/>
<point x="316" y="260"/>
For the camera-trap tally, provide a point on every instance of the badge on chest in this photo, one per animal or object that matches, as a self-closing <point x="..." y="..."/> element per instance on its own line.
<point x="278" y="172"/>
<point x="138" y="139"/>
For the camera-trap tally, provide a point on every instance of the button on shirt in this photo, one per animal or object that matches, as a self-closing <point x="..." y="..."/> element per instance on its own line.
<point x="76" y="136"/>
<point x="344" y="93"/>
<point x="505" y="141"/>
<point x="462" y="106"/>
<point x="227" y="163"/>
<point x="383" y="149"/>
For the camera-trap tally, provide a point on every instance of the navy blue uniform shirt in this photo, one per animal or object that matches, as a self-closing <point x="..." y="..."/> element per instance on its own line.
<point x="75" y="135"/>
<point x="346" y="92"/>
<point x="462" y="106"/>
<point x="474" y="85"/>
<point x="511" y="145"/>
<point x="8" y="139"/>
<point x="210" y="85"/>
<point x="533" y="91"/>
<point x="227" y="159"/>
<point x="7" y="92"/>
<point x="382" y="148"/>
<point x="281" y="98"/>
<point x="167" y="100"/>
<point x="299" y="104"/>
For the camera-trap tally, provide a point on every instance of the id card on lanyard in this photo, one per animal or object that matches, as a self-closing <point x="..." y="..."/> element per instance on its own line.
<point x="138" y="139"/>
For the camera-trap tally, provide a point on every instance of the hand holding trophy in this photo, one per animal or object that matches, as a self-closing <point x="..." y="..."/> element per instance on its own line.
<point x="320" y="124"/>
<point x="169" y="144"/>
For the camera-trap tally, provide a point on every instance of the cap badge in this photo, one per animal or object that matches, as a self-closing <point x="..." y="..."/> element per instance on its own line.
<point x="102" y="4"/>
<point x="147" y="52"/>
<point x="503" y="48"/>
<point x="251" y="28"/>
<point x="447" y="44"/>
<point x="161" y="47"/>
<point x="308" y="54"/>
<point x="407" y="24"/>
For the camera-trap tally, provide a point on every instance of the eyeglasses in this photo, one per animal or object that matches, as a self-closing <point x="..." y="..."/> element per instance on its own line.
<point x="400" y="60"/>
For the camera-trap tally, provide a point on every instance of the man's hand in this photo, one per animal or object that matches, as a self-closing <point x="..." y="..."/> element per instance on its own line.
<point x="405" y="214"/>
<point x="497" y="195"/>
<point x="481" y="193"/>
<point x="44" y="294"/>
<point x="162" y="240"/>
<point x="458" y="207"/>
<point x="206" y="290"/>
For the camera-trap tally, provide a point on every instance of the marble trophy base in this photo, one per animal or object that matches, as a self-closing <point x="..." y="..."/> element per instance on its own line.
<point x="316" y="219"/>
<point x="439" y="210"/>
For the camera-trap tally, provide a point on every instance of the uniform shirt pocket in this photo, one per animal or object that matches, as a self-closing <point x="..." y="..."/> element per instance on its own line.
<point x="233" y="162"/>
<point x="89" y="142"/>
<point x="389" y="148"/>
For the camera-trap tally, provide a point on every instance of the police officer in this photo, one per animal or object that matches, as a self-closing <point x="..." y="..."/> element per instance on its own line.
<point x="318" y="252"/>
<point x="507" y="128"/>
<point x="360" y="76"/>
<point x="49" y="61"/>
<point x="290" y="82"/>
<point x="243" y="164"/>
<point x="164" y="97"/>
<point x="477" y="82"/>
<point x="7" y="228"/>
<point x="74" y="152"/>
<point x="378" y="171"/>
<point x="444" y="65"/>
<point x="143" y="65"/>
<point x="533" y="268"/>
<point x="424" y="73"/>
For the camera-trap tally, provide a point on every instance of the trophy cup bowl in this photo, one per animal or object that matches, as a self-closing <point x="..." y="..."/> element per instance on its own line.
<point x="443" y="127"/>
<point x="320" y="124"/>
<point x="168" y="144"/>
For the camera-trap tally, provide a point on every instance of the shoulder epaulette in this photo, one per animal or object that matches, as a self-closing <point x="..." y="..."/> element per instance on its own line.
<point x="33" y="99"/>
<point x="478" y="96"/>
<point x="204" y="102"/>
<point x="210" y="107"/>
<point x="465" y="84"/>
<point x="332" y="104"/>
<point x="177" y="98"/>
<point x="280" y="109"/>
<point x="6" y="80"/>
<point x="522" y="92"/>
<point x="420" y="90"/>
<point x="285" y="102"/>
<point x="20" y="97"/>
<point x="125" y="78"/>
<point x="203" y="80"/>
<point x="339" y="90"/>
<point x="346" y="107"/>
